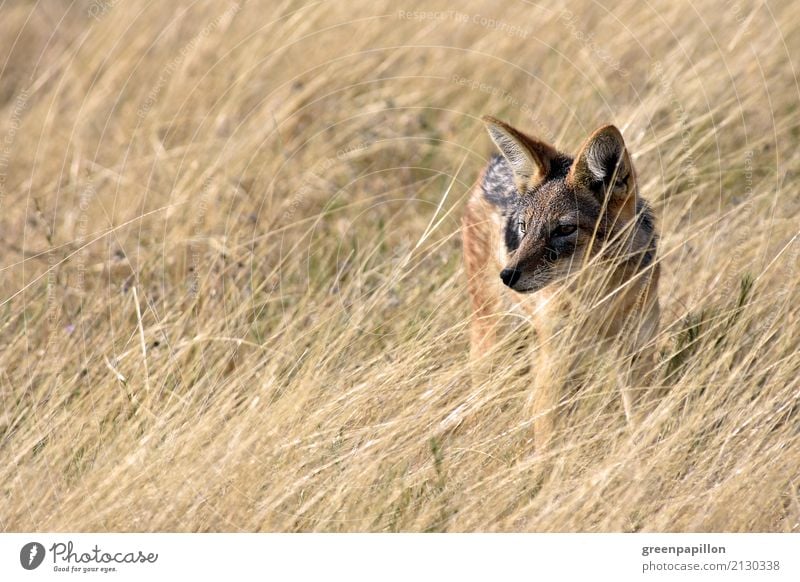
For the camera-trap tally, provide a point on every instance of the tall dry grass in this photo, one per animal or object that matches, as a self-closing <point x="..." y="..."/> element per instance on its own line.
<point x="232" y="286"/>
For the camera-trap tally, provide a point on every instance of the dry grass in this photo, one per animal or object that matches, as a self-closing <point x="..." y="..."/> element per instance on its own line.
<point x="232" y="287"/>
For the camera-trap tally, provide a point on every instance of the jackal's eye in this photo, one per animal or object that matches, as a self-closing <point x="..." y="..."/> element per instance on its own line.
<point x="521" y="225"/>
<point x="564" y="230"/>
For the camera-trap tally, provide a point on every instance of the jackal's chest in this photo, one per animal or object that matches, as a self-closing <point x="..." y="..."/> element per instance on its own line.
<point x="556" y="307"/>
<point x="542" y="310"/>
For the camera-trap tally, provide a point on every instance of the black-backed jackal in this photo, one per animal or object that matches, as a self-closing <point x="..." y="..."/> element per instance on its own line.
<point x="557" y="239"/>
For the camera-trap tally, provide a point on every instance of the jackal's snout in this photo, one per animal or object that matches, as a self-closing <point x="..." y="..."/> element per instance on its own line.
<point x="510" y="277"/>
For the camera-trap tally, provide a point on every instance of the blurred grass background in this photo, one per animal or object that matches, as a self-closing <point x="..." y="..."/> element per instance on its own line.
<point x="232" y="294"/>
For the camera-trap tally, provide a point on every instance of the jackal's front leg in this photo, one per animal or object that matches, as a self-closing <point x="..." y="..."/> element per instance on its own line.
<point x="545" y="396"/>
<point x="483" y="325"/>
<point x="482" y="277"/>
<point x="640" y="391"/>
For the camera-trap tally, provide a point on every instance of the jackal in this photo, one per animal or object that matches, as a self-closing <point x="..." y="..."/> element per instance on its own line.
<point x="555" y="237"/>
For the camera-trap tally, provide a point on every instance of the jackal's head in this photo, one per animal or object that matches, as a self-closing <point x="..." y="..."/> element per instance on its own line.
<point x="566" y="207"/>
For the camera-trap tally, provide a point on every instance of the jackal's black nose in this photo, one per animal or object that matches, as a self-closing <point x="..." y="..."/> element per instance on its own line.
<point x="510" y="276"/>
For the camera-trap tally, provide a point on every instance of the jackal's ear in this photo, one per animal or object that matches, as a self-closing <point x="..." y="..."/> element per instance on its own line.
<point x="529" y="158"/>
<point x="604" y="166"/>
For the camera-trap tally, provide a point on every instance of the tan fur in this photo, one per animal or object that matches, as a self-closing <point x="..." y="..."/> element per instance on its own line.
<point x="627" y="318"/>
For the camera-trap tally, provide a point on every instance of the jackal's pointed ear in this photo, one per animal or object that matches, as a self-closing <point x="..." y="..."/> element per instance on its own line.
<point x="604" y="166"/>
<point x="529" y="158"/>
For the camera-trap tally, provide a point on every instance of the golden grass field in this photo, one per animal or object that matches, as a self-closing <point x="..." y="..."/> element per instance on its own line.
<point x="232" y="290"/>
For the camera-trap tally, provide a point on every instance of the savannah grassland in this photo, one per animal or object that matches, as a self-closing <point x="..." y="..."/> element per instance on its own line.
<point x="233" y="297"/>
